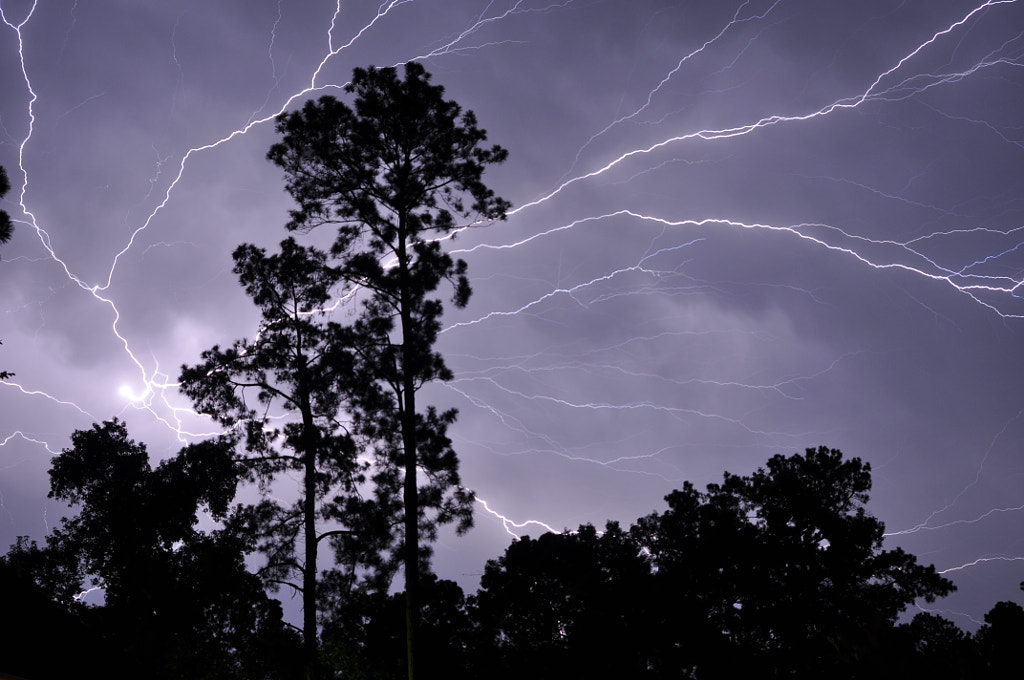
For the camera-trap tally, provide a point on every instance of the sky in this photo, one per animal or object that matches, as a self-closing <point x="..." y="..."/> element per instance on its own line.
<point x="740" y="229"/>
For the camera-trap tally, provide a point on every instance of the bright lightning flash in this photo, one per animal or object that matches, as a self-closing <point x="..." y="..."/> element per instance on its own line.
<point x="524" y="395"/>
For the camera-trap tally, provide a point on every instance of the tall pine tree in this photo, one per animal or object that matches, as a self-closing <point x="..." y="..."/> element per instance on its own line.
<point x="283" y="396"/>
<point x="393" y="174"/>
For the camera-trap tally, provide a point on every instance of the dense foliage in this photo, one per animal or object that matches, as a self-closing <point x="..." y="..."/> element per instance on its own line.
<point x="281" y="395"/>
<point x="6" y="231"/>
<point x="334" y="403"/>
<point x="781" y="573"/>
<point x="392" y="174"/>
<point x="6" y="226"/>
<point x="177" y="601"/>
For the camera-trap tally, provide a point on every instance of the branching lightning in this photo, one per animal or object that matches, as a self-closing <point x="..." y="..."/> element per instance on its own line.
<point x="509" y="524"/>
<point x="520" y="396"/>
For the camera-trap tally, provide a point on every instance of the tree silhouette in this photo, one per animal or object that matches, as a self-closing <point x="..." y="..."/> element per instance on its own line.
<point x="365" y="636"/>
<point x="565" y="605"/>
<point x="178" y="602"/>
<point x="29" y="610"/>
<point x="285" y="391"/>
<point x="999" y="640"/>
<point x="6" y="227"/>
<point x="779" y="572"/>
<point x="930" y="646"/>
<point x="393" y="174"/>
<point x="6" y="230"/>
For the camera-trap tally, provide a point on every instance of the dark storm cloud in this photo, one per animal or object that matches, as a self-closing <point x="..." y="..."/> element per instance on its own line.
<point x="692" y="309"/>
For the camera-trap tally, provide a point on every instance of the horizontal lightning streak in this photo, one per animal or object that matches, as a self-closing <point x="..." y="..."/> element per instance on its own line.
<point x="97" y="290"/>
<point x="989" y="290"/>
<point x="629" y="406"/>
<point x="982" y="560"/>
<point x="22" y="435"/>
<point x="925" y="526"/>
<point x="509" y="524"/>
<point x="958" y="278"/>
<point x="846" y="103"/>
<point x="958" y="522"/>
<point x="657" y="88"/>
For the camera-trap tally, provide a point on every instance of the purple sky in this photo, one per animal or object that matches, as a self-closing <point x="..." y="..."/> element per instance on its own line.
<point x="741" y="229"/>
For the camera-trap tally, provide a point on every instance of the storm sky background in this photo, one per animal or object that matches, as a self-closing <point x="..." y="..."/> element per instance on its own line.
<point x="740" y="229"/>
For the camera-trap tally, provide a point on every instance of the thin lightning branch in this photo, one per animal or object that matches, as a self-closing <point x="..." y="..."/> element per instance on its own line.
<point x="22" y="435"/>
<point x="510" y="524"/>
<point x="988" y="279"/>
<point x="959" y="522"/>
<point x="657" y="88"/>
<point x="982" y="560"/>
<point x="630" y="406"/>
<point x="97" y="290"/>
<point x="39" y="393"/>
<point x="903" y="90"/>
<point x="822" y="235"/>
<point x="924" y="525"/>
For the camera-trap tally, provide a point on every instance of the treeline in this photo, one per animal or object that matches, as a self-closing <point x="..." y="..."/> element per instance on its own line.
<point x="781" y="573"/>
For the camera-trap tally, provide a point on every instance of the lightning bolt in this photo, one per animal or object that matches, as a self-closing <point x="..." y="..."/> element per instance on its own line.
<point x="509" y="524"/>
<point x="983" y="560"/>
<point x="152" y="387"/>
<point x="999" y="293"/>
<point x="523" y="391"/>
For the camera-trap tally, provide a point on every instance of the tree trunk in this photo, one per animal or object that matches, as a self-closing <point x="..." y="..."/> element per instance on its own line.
<point x="309" y="646"/>
<point x="412" y="543"/>
<point x="410" y="490"/>
<point x="309" y="573"/>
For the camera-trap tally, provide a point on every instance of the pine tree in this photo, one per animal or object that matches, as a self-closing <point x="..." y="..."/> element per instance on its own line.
<point x="392" y="175"/>
<point x="282" y="395"/>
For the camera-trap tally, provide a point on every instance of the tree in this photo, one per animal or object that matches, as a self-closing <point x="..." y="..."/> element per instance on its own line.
<point x="565" y="605"/>
<point x="392" y="175"/>
<point x="782" y="571"/>
<point x="365" y="637"/>
<point x="930" y="646"/>
<point x="777" y="573"/>
<point x="30" y="609"/>
<point x="178" y="602"/>
<point x="6" y="230"/>
<point x="6" y="227"/>
<point x="999" y="640"/>
<point x="299" y="366"/>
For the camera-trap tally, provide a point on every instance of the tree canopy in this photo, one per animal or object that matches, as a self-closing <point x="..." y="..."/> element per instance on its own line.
<point x="177" y="601"/>
<point x="6" y="226"/>
<point x="772" y="574"/>
<point x="779" y="573"/>
<point x="393" y="173"/>
<point x="6" y="231"/>
<point x="786" y="566"/>
<point x="282" y="394"/>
